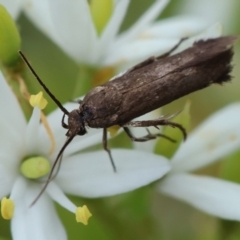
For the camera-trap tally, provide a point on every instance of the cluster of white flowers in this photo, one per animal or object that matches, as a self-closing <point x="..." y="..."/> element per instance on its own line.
<point x="88" y="174"/>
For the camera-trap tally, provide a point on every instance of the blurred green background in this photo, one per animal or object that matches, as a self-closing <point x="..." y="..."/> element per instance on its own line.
<point x="142" y="214"/>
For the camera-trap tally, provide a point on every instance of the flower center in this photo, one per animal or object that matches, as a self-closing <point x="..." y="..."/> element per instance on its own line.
<point x="35" y="167"/>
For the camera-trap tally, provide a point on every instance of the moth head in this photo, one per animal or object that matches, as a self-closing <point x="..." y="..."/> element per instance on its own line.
<point x="76" y="125"/>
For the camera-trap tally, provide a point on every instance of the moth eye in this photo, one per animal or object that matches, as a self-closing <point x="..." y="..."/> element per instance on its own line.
<point x="82" y="131"/>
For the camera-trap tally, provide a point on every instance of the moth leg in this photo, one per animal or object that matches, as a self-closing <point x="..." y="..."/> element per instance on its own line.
<point x="148" y="137"/>
<point x="64" y="125"/>
<point x="155" y="123"/>
<point x="107" y="149"/>
<point x="172" y="49"/>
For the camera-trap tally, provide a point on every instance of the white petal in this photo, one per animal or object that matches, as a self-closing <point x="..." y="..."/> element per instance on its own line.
<point x="93" y="137"/>
<point x="75" y="29"/>
<point x="37" y="222"/>
<point x="112" y="28"/>
<point x="58" y="196"/>
<point x="141" y="48"/>
<point x="211" y="11"/>
<point x="11" y="142"/>
<point x="142" y="23"/>
<point x="7" y="176"/>
<point x="36" y="10"/>
<point x="32" y="132"/>
<point x="138" y="50"/>
<point x="176" y="27"/>
<point x="13" y="7"/>
<point x="213" y="31"/>
<point x="214" y="196"/>
<point x="217" y="137"/>
<point x="10" y="108"/>
<point x="18" y="188"/>
<point x="91" y="174"/>
<point x="12" y="123"/>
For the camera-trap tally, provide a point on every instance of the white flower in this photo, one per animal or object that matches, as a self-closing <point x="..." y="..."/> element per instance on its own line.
<point x="216" y="138"/>
<point x="212" y="11"/>
<point x="89" y="174"/>
<point x="69" y="24"/>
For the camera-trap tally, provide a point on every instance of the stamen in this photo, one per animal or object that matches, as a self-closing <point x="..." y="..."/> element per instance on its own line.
<point x="7" y="208"/>
<point x="27" y="96"/>
<point x="113" y="130"/>
<point x="49" y="132"/>
<point x="83" y="214"/>
<point x="38" y="101"/>
<point x="35" y="167"/>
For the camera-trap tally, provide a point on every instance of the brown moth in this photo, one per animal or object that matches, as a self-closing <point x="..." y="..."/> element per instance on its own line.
<point x="149" y="85"/>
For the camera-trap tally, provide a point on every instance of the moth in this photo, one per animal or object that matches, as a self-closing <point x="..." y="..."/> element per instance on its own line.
<point x="149" y="85"/>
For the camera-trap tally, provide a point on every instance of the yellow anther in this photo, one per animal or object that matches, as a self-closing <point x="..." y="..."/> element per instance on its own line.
<point x="83" y="214"/>
<point x="7" y="208"/>
<point x="38" y="101"/>
<point x="113" y="130"/>
<point x="35" y="167"/>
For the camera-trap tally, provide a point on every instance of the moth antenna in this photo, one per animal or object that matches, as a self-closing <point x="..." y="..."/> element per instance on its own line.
<point x="58" y="167"/>
<point x="52" y="169"/>
<point x="42" y="84"/>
